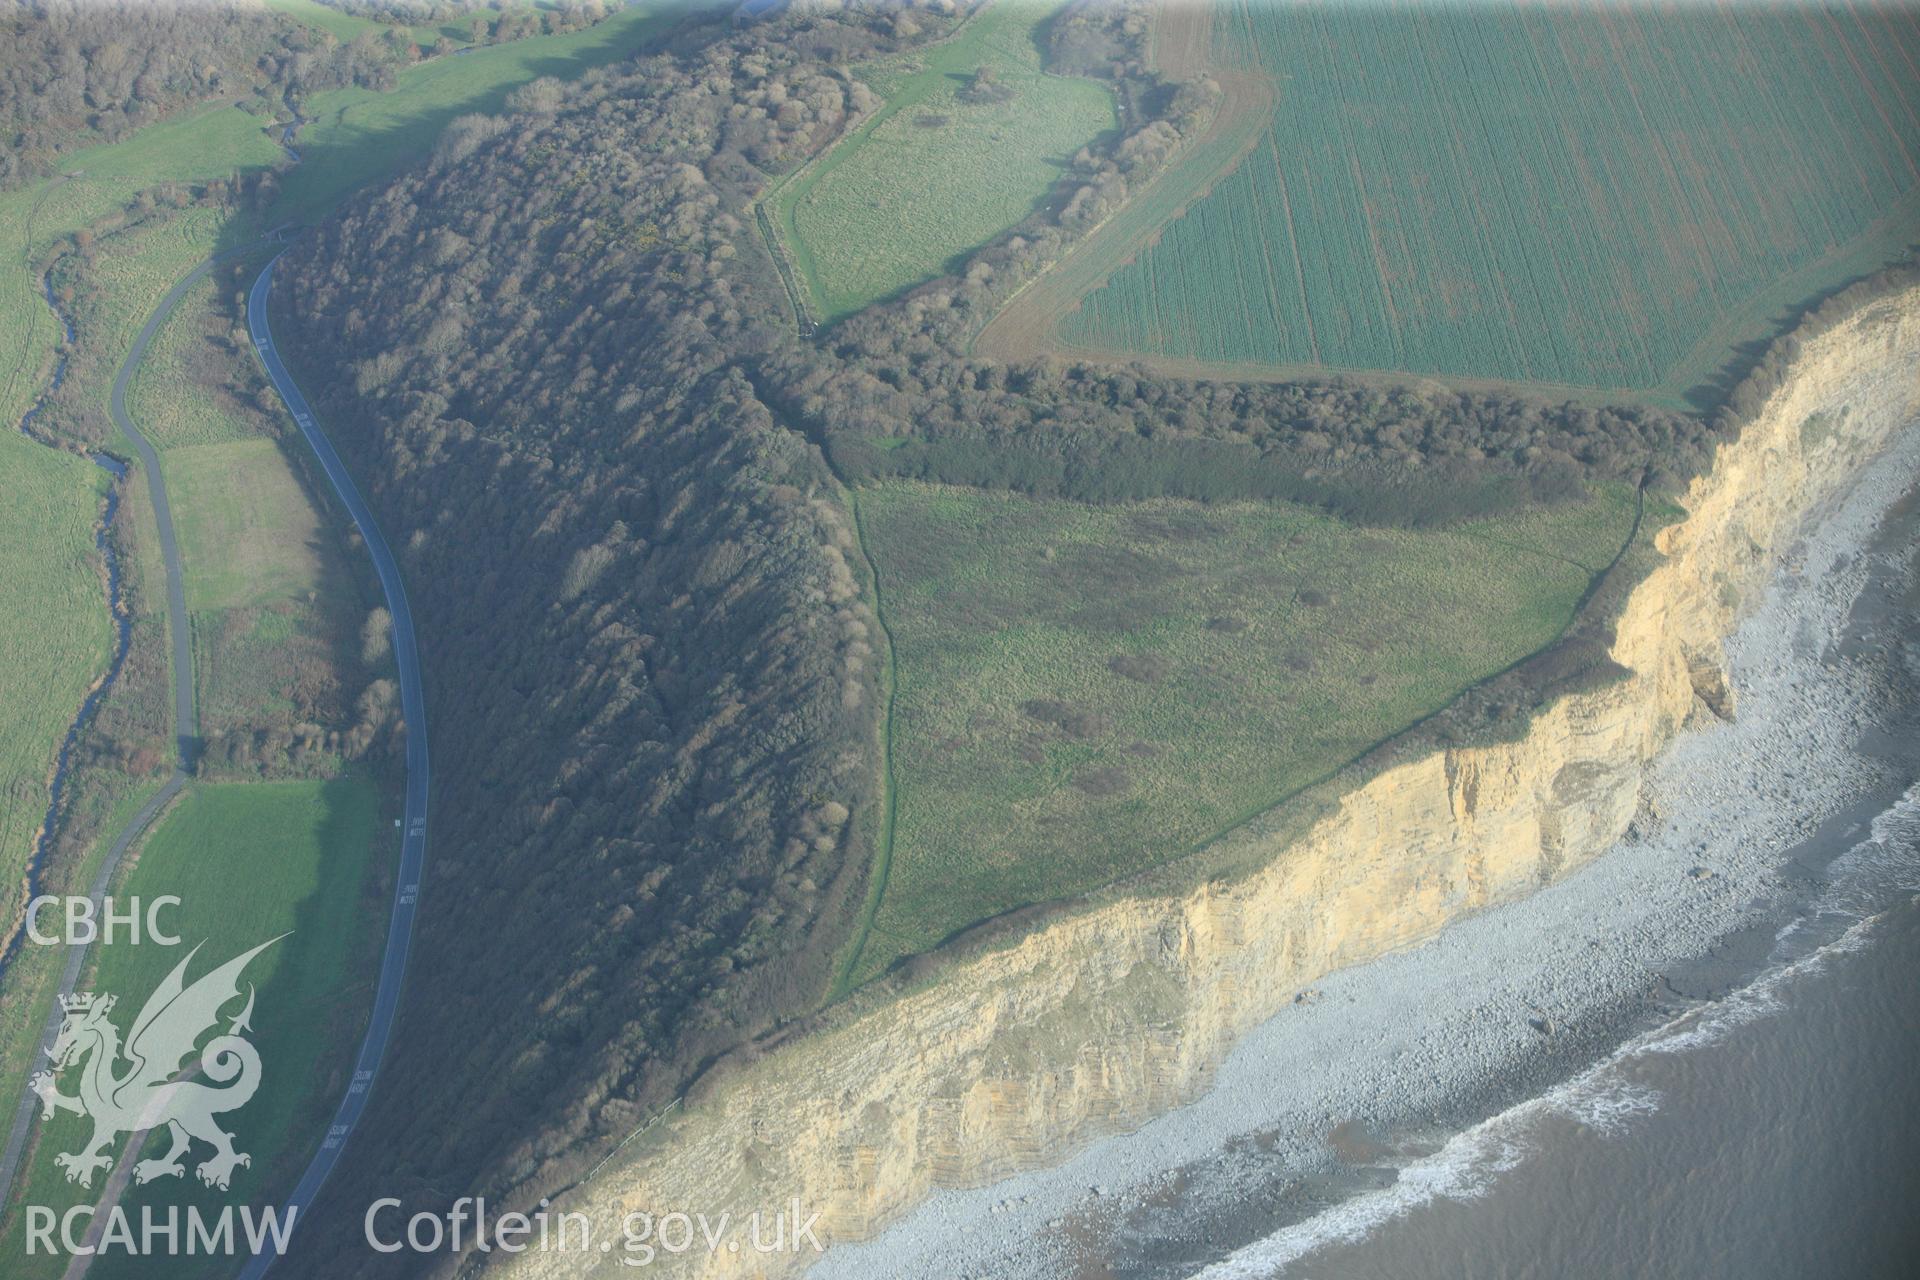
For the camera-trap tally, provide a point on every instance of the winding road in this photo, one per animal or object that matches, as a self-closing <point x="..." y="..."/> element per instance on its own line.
<point x="413" y="845"/>
<point x="186" y="722"/>
<point x="185" y="715"/>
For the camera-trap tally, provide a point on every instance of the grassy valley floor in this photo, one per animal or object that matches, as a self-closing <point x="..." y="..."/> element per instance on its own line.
<point x="277" y="627"/>
<point x="249" y="862"/>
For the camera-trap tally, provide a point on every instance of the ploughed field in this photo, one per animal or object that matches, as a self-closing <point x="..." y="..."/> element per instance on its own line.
<point x="1083" y="692"/>
<point x="1608" y="197"/>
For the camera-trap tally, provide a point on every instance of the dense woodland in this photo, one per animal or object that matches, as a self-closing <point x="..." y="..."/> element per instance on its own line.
<point x="564" y="360"/>
<point x="563" y="363"/>
<point x="74" y="71"/>
<point x="412" y="13"/>
<point x="651" y="669"/>
<point x="510" y="19"/>
<point x="78" y="72"/>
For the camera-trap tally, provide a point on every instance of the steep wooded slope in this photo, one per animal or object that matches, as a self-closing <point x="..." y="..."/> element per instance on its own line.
<point x="650" y="678"/>
<point x="560" y="358"/>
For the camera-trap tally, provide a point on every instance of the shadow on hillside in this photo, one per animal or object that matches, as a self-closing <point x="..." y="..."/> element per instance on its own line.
<point x="1709" y="395"/>
<point x="369" y="140"/>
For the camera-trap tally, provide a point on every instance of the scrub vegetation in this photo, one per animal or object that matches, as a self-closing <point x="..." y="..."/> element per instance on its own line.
<point x="673" y="559"/>
<point x="199" y="383"/>
<point x="358" y="134"/>
<point x="179" y="189"/>
<point x="645" y="553"/>
<point x="54" y="628"/>
<point x="275" y="610"/>
<point x="292" y="670"/>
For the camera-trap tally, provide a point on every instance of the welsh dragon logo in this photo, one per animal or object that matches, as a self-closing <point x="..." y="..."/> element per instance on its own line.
<point x="151" y="1090"/>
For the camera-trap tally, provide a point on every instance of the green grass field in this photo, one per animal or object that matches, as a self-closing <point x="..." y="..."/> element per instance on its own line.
<point x="113" y="293"/>
<point x="247" y="532"/>
<point x="54" y="628"/>
<point x="358" y="137"/>
<point x="249" y="862"/>
<point x="340" y="25"/>
<point x="52" y="597"/>
<point x="52" y="600"/>
<point x="98" y="182"/>
<point x="1606" y="197"/>
<point x="345" y="26"/>
<point x="275" y="614"/>
<point x="51" y="616"/>
<point x="930" y="176"/>
<point x="274" y="608"/>
<point x="1085" y="692"/>
<point x="52" y="604"/>
<point x="34" y="974"/>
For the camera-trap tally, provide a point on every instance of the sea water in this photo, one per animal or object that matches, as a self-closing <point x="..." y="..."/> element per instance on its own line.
<point x="1772" y="1133"/>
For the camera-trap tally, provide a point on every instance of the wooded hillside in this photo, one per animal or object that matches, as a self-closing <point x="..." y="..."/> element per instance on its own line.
<point x="651" y="673"/>
<point x="564" y="364"/>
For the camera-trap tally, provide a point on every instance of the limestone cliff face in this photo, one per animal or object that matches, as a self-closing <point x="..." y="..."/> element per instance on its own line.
<point x="1098" y="1021"/>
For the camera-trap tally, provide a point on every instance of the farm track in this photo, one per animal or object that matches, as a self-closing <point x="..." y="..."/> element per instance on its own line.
<point x="802" y="320"/>
<point x="848" y="976"/>
<point x="185" y="720"/>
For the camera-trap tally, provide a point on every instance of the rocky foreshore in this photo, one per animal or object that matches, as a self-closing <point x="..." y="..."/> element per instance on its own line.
<point x="1372" y="1093"/>
<point x="1017" y="1056"/>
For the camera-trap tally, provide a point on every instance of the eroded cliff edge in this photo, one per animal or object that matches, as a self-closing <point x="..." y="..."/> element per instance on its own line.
<point x="1100" y="1019"/>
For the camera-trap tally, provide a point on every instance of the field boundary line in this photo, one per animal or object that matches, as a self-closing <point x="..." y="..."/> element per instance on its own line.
<point x="184" y="706"/>
<point x="854" y="128"/>
<point x="803" y="320"/>
<point x="843" y="982"/>
<point x="1595" y="580"/>
<point x="1026" y="321"/>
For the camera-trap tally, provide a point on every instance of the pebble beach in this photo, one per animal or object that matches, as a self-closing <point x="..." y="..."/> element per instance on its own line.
<point x="1407" y="1079"/>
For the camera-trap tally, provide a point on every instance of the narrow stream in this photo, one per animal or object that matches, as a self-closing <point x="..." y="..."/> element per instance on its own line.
<point x="116" y="602"/>
<point x="116" y="609"/>
<point x="286" y="134"/>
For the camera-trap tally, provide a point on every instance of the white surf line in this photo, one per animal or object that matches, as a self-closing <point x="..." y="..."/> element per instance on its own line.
<point x="1396" y="1040"/>
<point x="1470" y="1163"/>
